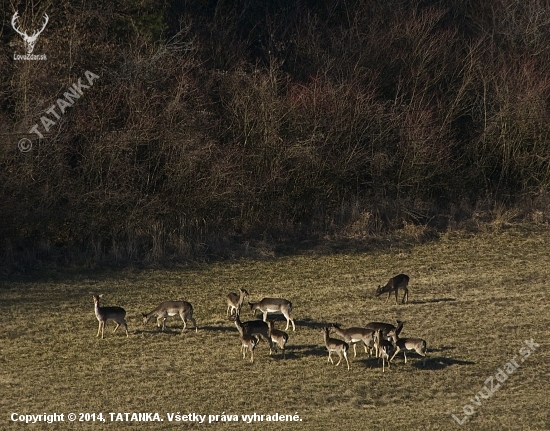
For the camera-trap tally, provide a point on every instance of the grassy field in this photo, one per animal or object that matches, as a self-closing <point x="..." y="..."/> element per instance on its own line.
<point x="474" y="299"/>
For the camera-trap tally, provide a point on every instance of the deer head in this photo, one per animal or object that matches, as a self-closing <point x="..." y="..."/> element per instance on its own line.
<point x="29" y="40"/>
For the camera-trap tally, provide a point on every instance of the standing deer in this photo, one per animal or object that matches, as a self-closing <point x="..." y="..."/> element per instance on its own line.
<point x="383" y="348"/>
<point x="278" y="337"/>
<point x="335" y="345"/>
<point x="253" y="328"/>
<point x="29" y="40"/>
<point x="394" y="284"/>
<point x="248" y="342"/>
<point x="274" y="305"/>
<point x="385" y="328"/>
<point x="356" y="335"/>
<point x="235" y="302"/>
<point x="104" y="314"/>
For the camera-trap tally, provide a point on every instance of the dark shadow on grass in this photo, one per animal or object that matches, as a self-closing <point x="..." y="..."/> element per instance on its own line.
<point x="367" y="362"/>
<point x="218" y="328"/>
<point x="72" y="264"/>
<point x="167" y="331"/>
<point x="442" y="349"/>
<point x="436" y="362"/>
<point x="312" y="324"/>
<point x="415" y="360"/>
<point x="311" y="350"/>
<point x="432" y="301"/>
<point x="289" y="354"/>
<point x="280" y="323"/>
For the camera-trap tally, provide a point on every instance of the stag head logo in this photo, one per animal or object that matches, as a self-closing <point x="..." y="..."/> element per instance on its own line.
<point x="29" y="40"/>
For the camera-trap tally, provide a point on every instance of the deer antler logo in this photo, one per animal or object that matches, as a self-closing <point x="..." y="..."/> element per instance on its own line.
<point x="29" y="40"/>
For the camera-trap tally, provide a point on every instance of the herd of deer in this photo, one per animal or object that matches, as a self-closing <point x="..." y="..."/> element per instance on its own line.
<point x="382" y="338"/>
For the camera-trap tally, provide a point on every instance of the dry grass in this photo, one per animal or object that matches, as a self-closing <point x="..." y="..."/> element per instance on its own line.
<point x="473" y="298"/>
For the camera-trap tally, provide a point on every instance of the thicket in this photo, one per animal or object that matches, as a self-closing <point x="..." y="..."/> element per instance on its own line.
<point x="216" y="125"/>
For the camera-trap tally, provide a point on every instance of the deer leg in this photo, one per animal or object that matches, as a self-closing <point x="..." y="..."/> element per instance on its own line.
<point x="268" y="339"/>
<point x="288" y="320"/>
<point x="194" y="323"/>
<point x="346" y="357"/>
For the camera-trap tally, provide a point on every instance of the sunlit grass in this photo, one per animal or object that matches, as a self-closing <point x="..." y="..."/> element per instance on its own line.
<point x="474" y="299"/>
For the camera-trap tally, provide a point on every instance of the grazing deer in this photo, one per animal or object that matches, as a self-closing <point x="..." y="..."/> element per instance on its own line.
<point x="235" y="302"/>
<point x="104" y="314"/>
<point x="335" y="345"/>
<point x="354" y="336"/>
<point x="407" y="344"/>
<point x="278" y="337"/>
<point x="394" y="284"/>
<point x="274" y="305"/>
<point x="172" y="308"/>
<point x="383" y="347"/>
<point x="253" y="327"/>
<point x="29" y="40"/>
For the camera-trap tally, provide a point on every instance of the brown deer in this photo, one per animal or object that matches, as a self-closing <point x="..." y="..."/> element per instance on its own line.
<point x="394" y="284"/>
<point x="383" y="347"/>
<point x="253" y="328"/>
<point x="235" y="302"/>
<point x="356" y="335"/>
<point x="277" y="336"/>
<point x="406" y="344"/>
<point x="274" y="305"/>
<point x="335" y="345"/>
<point x="171" y="308"/>
<point x="104" y="314"/>
<point x="248" y="342"/>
